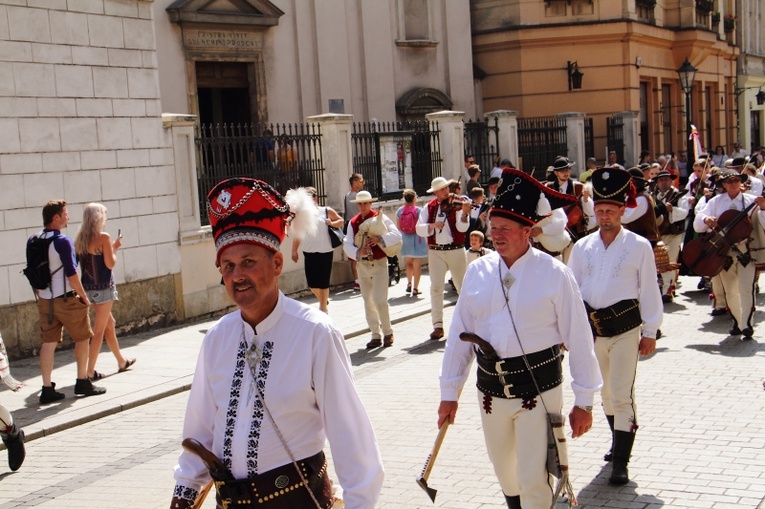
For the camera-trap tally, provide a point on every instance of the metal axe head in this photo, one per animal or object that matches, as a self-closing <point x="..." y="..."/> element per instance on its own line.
<point x="430" y="491"/>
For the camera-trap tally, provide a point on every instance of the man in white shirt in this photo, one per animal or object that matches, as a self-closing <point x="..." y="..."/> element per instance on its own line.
<point x="372" y="264"/>
<point x="738" y="278"/>
<point x="273" y="381"/>
<point x="520" y="301"/>
<point x="738" y="151"/>
<point x="444" y="226"/>
<point x="671" y="208"/>
<point x="612" y="162"/>
<point x="616" y="273"/>
<point x="563" y="183"/>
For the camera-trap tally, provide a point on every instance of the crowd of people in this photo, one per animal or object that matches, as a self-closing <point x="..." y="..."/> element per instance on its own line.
<point x="541" y="268"/>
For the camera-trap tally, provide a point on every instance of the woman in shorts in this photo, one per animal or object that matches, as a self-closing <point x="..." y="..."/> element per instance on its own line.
<point x="97" y="256"/>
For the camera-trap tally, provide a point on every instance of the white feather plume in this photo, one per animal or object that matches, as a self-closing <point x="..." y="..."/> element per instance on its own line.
<point x="543" y="206"/>
<point x="306" y="214"/>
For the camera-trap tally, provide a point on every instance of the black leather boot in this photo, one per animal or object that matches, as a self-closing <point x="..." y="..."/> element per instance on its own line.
<point x="13" y="438"/>
<point x="610" y="454"/>
<point x="84" y="387"/>
<point x="50" y="395"/>
<point x="513" y="502"/>
<point x="623" y="442"/>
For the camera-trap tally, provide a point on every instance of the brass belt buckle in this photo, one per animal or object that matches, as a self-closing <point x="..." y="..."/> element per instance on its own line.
<point x="499" y="369"/>
<point x="506" y="390"/>
<point x="225" y="502"/>
<point x="595" y="321"/>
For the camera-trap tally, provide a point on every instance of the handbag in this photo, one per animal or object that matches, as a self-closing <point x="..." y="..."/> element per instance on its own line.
<point x="336" y="235"/>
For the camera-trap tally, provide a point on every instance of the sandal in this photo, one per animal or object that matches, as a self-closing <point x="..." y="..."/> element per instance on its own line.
<point x="128" y="363"/>
<point x="96" y="376"/>
<point x="415" y="292"/>
<point x="409" y="288"/>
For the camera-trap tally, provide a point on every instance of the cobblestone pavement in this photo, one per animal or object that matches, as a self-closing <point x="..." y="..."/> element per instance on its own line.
<point x="701" y="443"/>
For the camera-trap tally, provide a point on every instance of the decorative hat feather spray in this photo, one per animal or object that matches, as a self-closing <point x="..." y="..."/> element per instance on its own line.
<point x="543" y="206"/>
<point x="304" y="210"/>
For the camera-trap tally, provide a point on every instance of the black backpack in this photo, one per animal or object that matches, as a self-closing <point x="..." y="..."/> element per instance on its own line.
<point x="37" y="270"/>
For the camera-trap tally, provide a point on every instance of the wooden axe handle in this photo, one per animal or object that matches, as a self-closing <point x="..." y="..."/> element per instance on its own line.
<point x="434" y="452"/>
<point x="199" y="502"/>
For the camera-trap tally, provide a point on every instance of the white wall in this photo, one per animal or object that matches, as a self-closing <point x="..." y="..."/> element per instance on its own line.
<point x="340" y="49"/>
<point x="80" y="116"/>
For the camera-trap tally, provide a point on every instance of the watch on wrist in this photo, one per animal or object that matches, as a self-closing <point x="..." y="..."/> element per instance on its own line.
<point x="587" y="409"/>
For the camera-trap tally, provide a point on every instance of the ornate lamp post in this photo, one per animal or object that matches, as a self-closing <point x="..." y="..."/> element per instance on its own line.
<point x="687" y="73"/>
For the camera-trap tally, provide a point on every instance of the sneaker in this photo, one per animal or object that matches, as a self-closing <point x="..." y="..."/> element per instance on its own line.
<point x="85" y="387"/>
<point x="49" y="394"/>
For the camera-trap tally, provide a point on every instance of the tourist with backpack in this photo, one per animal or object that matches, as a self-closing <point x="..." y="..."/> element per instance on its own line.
<point x="415" y="248"/>
<point x="61" y="300"/>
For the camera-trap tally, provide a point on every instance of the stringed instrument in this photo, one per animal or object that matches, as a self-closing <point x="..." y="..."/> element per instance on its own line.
<point x="708" y="254"/>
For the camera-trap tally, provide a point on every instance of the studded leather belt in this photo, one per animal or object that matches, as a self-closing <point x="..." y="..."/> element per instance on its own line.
<point x="509" y="378"/>
<point x="280" y="488"/>
<point x="445" y="247"/>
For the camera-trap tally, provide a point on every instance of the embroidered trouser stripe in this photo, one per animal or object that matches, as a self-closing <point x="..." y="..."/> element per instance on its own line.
<point x="516" y="441"/>
<point x="618" y="359"/>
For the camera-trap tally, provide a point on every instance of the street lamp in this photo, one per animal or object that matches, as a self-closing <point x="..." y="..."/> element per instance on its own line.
<point x="687" y="73"/>
<point x="574" y="76"/>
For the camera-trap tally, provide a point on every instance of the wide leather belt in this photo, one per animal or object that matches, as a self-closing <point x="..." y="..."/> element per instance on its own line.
<point x="280" y="488"/>
<point x="445" y="247"/>
<point x="614" y="319"/>
<point x="509" y="378"/>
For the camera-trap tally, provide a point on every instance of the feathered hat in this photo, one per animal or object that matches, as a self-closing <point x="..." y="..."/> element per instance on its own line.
<point x="524" y="199"/>
<point x="249" y="211"/>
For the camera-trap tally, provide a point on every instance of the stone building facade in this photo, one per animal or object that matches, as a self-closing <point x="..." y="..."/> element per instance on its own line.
<point x="628" y="52"/>
<point x="750" y="74"/>
<point x="81" y="119"/>
<point x="286" y="60"/>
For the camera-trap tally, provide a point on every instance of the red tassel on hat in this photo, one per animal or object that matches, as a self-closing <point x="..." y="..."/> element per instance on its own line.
<point x="631" y="196"/>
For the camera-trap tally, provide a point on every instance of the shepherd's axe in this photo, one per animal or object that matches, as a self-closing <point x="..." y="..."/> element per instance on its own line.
<point x="422" y="481"/>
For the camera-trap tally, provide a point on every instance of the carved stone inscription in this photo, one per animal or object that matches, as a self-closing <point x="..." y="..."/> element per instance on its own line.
<point x="221" y="39"/>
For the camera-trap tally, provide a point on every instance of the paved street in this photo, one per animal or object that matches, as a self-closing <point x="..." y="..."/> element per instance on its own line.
<point x="701" y="442"/>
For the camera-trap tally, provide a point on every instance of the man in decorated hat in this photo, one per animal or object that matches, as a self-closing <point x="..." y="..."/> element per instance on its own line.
<point x="671" y="208"/>
<point x="563" y="183"/>
<point x="368" y="233"/>
<point x="443" y="222"/>
<point x="273" y="381"/>
<point x="616" y="273"/>
<point x="738" y="278"/>
<point x="541" y="309"/>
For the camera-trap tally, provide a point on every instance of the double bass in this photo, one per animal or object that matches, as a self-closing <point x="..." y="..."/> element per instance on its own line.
<point x="708" y="254"/>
